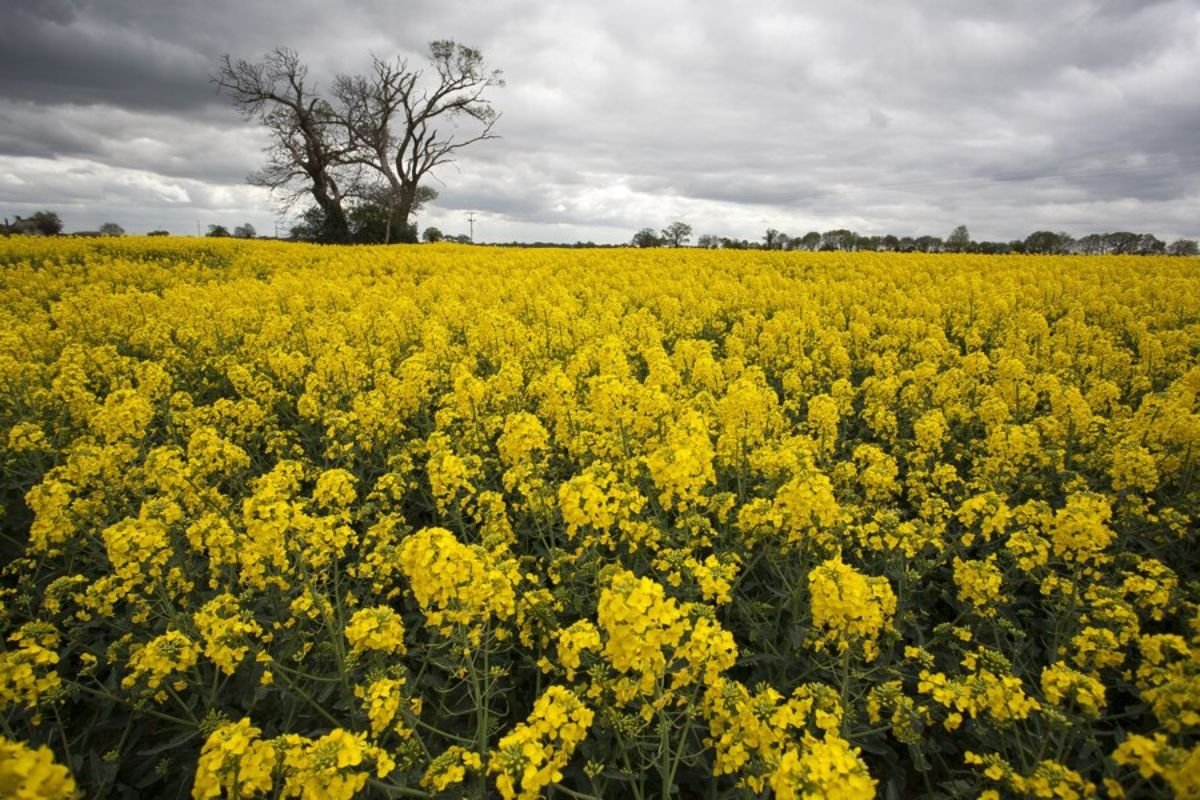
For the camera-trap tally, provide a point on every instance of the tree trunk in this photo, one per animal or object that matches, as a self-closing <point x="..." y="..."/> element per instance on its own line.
<point x="337" y="229"/>
<point x="404" y="204"/>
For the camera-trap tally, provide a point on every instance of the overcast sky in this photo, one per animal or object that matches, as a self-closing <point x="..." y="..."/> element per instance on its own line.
<point x="903" y="117"/>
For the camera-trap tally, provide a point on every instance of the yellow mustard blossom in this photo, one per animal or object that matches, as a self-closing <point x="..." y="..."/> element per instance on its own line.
<point x="235" y="762"/>
<point x="1133" y="467"/>
<point x="382" y="700"/>
<point x="1095" y="648"/>
<point x="1155" y="757"/>
<point x="930" y="431"/>
<point x="850" y="611"/>
<point x="451" y="768"/>
<point x="747" y="417"/>
<point x="451" y="477"/>
<point x="270" y="516"/>
<point x="1168" y="678"/>
<point x="715" y="577"/>
<point x="1048" y="779"/>
<point x="823" y="418"/>
<point x="28" y="672"/>
<point x="597" y="499"/>
<point x="985" y="515"/>
<point x="580" y="637"/>
<point x="877" y="473"/>
<point x="826" y="767"/>
<point x="1069" y="688"/>
<point x="28" y="773"/>
<point x="227" y="630"/>
<point x="979" y="584"/>
<point x="641" y="626"/>
<point x="454" y="584"/>
<point x="523" y="437"/>
<point x="1151" y="587"/>
<point x="332" y="767"/>
<point x="985" y="692"/>
<point x="377" y="629"/>
<point x="335" y="490"/>
<point x="532" y="755"/>
<point x="1079" y="531"/>
<point x="160" y="658"/>
<point x="125" y="415"/>
<point x="908" y="718"/>
<point x="749" y="732"/>
<point x="683" y="467"/>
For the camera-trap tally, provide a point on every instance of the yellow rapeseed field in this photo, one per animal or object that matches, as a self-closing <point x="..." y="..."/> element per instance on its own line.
<point x="298" y="521"/>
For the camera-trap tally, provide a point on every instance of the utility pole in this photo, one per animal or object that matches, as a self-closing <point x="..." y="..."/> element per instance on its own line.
<point x="471" y="219"/>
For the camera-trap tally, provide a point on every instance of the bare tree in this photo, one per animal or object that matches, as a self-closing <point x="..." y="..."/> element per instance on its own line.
<point x="402" y="127"/>
<point x="959" y="240"/>
<point x="376" y="139"/>
<point x="308" y="146"/>
<point x="676" y="234"/>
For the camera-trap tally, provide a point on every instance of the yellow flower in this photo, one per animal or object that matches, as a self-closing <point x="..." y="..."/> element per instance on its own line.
<point x="332" y="767"/>
<point x="454" y="584"/>
<point x="228" y="631"/>
<point x="28" y="673"/>
<point x="377" y="629"/>
<point x="234" y="763"/>
<point x="849" y="610"/>
<point x="334" y="489"/>
<point x="451" y="768"/>
<point x="31" y="773"/>
<point x="381" y="702"/>
<point x="827" y="767"/>
<point x="531" y="756"/>
<point x="979" y="584"/>
<point x="683" y="467"/>
<point x="159" y="659"/>
<point x="1067" y="687"/>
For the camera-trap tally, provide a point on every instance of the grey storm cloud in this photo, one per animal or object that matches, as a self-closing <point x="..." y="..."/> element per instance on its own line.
<point x="907" y="117"/>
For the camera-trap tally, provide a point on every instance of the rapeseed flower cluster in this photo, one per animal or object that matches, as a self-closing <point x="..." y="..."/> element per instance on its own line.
<point x="28" y="773"/>
<point x="850" y="611"/>
<point x="531" y="756"/>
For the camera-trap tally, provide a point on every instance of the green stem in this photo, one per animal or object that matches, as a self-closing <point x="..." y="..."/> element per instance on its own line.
<point x="393" y="790"/>
<point x="121" y="701"/>
<point x="311" y="701"/>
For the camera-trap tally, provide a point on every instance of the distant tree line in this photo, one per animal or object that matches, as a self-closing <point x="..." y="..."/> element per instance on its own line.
<point x="245" y="231"/>
<point x="40" y="223"/>
<point x="48" y="223"/>
<point x="677" y="234"/>
<point x="959" y="241"/>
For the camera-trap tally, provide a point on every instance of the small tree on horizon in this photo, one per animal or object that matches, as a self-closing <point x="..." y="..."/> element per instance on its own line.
<point x="47" y="223"/>
<point x="646" y="237"/>
<point x="958" y="240"/>
<point x="1183" y="247"/>
<point x="677" y="234"/>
